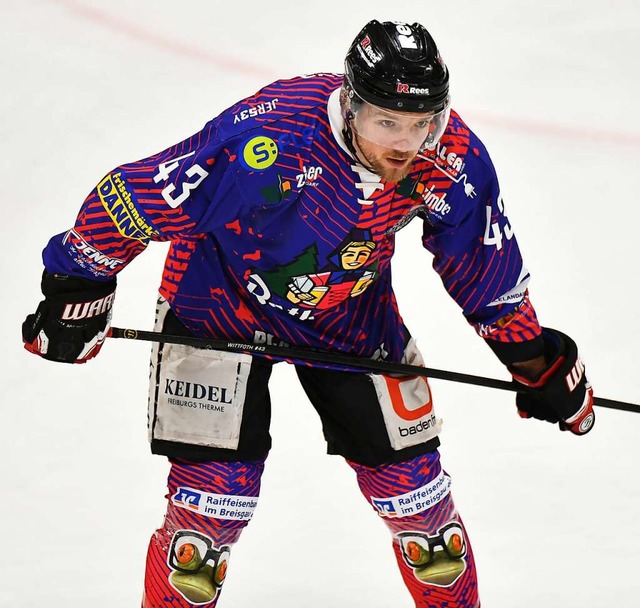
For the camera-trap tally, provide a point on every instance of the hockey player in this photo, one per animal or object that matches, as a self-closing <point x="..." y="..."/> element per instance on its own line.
<point x="282" y="214"/>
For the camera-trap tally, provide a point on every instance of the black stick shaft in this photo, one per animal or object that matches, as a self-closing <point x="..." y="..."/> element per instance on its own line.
<point x="314" y="356"/>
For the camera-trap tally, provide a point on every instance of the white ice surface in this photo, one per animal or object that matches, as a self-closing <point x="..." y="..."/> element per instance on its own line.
<point x="551" y="87"/>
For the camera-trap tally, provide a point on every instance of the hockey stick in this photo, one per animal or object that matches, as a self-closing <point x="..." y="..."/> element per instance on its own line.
<point x="315" y="356"/>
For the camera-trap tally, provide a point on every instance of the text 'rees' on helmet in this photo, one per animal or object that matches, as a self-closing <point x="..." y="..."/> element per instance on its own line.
<point x="396" y="69"/>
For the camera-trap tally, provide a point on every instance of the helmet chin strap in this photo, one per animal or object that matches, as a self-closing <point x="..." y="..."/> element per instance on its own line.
<point x="349" y="136"/>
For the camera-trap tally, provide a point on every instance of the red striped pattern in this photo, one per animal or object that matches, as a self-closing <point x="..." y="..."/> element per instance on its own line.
<point x="231" y="478"/>
<point x="400" y="478"/>
<point x="519" y="326"/>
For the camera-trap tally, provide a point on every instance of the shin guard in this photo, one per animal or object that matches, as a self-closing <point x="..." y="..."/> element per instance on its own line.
<point x="209" y="505"/>
<point x="429" y="539"/>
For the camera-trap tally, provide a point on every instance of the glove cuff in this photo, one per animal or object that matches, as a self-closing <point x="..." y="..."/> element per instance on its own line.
<point x="512" y="352"/>
<point x="554" y="349"/>
<point x="562" y="382"/>
<point x="67" y="288"/>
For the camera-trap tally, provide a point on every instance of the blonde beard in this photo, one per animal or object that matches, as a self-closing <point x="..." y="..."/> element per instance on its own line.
<point x="387" y="174"/>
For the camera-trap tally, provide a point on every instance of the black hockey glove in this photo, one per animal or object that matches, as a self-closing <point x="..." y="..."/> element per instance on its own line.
<point x="561" y="392"/>
<point x="71" y="323"/>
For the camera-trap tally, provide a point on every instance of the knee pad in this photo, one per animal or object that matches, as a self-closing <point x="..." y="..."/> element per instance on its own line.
<point x="429" y="539"/>
<point x="209" y="505"/>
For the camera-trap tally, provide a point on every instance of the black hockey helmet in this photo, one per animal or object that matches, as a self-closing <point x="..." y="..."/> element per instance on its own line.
<point x="397" y="66"/>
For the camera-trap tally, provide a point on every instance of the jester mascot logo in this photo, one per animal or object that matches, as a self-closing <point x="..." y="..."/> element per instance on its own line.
<point x="198" y="568"/>
<point x="348" y="273"/>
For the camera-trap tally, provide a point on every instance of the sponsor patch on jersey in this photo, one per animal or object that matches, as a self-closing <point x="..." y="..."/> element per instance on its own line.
<point x="117" y="201"/>
<point x="435" y="202"/>
<point x="406" y="404"/>
<point x="257" y="110"/>
<point x="88" y="257"/>
<point x="302" y="140"/>
<point x="220" y="506"/>
<point x="452" y="165"/>
<point x="309" y="176"/>
<point x="416" y="501"/>
<point x="517" y="293"/>
<point x="259" y="153"/>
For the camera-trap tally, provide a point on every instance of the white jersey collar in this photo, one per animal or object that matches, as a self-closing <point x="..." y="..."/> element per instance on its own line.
<point x="336" y="121"/>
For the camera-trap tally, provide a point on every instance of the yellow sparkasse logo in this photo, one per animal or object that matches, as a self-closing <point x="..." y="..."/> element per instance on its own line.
<point x="259" y="153"/>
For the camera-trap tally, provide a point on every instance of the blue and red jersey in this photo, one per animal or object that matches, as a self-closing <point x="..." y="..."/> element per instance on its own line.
<point x="278" y="232"/>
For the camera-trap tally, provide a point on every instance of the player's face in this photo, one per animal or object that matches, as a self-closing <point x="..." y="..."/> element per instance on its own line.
<point x="391" y="165"/>
<point x="389" y="141"/>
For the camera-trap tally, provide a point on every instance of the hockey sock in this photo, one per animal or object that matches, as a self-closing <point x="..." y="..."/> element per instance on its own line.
<point x="209" y="505"/>
<point x="429" y="539"/>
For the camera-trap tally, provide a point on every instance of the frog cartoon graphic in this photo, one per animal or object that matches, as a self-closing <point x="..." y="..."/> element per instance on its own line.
<point x="198" y="568"/>
<point x="435" y="560"/>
